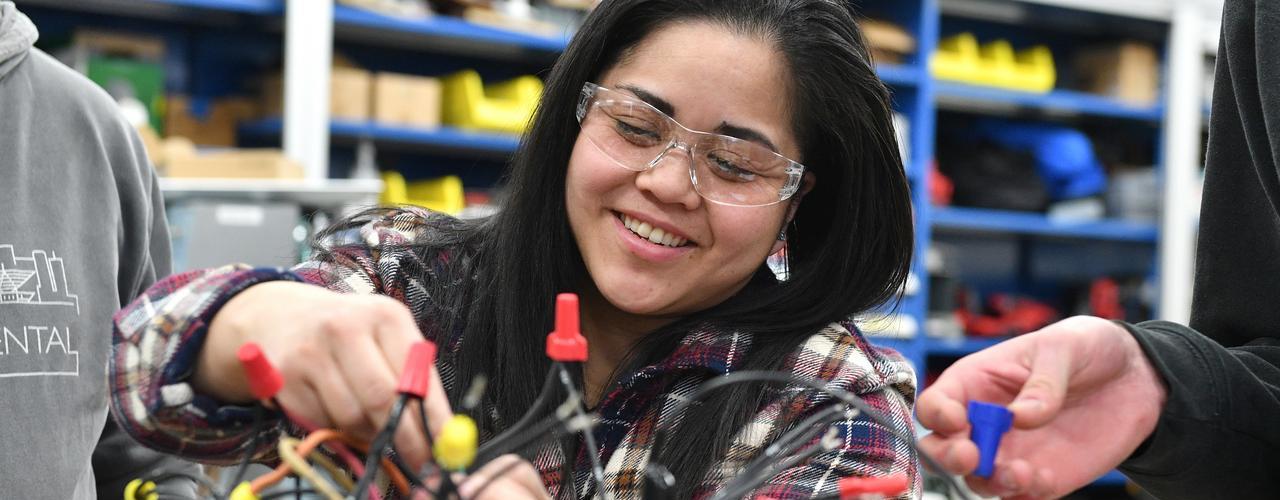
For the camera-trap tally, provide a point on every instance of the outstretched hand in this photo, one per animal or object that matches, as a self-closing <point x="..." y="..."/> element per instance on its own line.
<point x="1083" y="395"/>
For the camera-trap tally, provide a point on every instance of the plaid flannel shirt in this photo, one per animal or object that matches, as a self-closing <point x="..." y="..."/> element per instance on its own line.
<point x="159" y="335"/>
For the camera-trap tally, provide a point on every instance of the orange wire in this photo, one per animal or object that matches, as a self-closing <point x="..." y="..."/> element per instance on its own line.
<point x="314" y="440"/>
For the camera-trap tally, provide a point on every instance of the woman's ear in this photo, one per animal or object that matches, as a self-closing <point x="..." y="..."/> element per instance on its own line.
<point x="806" y="184"/>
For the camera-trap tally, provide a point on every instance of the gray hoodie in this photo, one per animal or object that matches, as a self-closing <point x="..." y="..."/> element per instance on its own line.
<point x="81" y="233"/>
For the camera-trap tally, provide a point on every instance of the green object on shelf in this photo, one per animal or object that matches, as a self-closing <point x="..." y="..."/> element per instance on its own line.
<point x="144" y="79"/>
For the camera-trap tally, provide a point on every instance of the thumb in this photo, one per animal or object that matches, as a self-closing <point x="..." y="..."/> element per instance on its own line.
<point x="1042" y="395"/>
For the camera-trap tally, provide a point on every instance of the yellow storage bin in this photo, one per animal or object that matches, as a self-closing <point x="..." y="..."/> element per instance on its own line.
<point x="994" y="64"/>
<point x="501" y="107"/>
<point x="443" y="194"/>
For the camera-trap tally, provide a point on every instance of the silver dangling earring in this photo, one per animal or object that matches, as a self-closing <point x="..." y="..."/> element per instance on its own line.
<point x="782" y="235"/>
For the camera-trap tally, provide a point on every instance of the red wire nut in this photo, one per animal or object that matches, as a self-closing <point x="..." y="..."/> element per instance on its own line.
<point x="566" y="343"/>
<point x="264" y="380"/>
<point x="416" y="377"/>
<point x="859" y="487"/>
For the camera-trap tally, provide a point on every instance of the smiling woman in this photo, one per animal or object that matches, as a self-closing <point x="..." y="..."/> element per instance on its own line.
<point x="679" y="144"/>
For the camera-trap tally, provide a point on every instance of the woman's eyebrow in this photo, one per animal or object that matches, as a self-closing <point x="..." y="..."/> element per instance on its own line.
<point x="653" y="100"/>
<point x="744" y="133"/>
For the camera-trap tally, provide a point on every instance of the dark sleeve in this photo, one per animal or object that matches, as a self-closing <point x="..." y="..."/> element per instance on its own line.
<point x="1219" y="433"/>
<point x="1218" y="436"/>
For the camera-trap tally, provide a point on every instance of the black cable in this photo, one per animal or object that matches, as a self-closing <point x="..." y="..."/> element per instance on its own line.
<point x="658" y="477"/>
<point x="498" y="474"/>
<point x="597" y="471"/>
<point x="740" y="490"/>
<point x="282" y="494"/>
<point x="539" y="432"/>
<point x="802" y="433"/>
<point x="446" y="483"/>
<point x="376" y="449"/>
<point x="487" y="452"/>
<point x="243" y="468"/>
<point x="545" y="430"/>
<point x="408" y="473"/>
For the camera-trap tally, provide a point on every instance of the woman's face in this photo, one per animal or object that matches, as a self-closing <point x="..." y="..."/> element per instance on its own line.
<point x="708" y="79"/>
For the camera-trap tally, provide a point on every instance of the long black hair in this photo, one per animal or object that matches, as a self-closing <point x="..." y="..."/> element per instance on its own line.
<point x="849" y="246"/>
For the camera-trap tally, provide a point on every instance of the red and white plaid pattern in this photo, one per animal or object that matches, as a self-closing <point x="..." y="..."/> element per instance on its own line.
<point x="159" y="335"/>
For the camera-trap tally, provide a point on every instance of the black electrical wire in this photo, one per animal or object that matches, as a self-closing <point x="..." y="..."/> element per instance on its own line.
<point x="378" y="446"/>
<point x="741" y="488"/>
<point x="498" y="474"/>
<point x="544" y="430"/>
<point x="597" y="471"/>
<point x="802" y="433"/>
<point x="243" y="467"/>
<point x="282" y="494"/>
<point x="490" y="449"/>
<point x="658" y="477"/>
<point x="446" y="483"/>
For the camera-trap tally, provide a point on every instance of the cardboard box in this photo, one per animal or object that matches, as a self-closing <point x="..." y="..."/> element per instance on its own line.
<point x="237" y="164"/>
<point x="348" y="94"/>
<point x="407" y="100"/>
<point x="889" y="42"/>
<point x="1128" y="71"/>
<point x="205" y="122"/>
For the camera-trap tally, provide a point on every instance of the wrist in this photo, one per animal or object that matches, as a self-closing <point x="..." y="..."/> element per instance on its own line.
<point x="1150" y="391"/>
<point x="218" y="373"/>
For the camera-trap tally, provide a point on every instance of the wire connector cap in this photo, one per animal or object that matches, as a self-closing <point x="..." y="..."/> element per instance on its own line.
<point x="566" y="343"/>
<point x="416" y="377"/>
<point x="988" y="423"/>
<point x="264" y="380"/>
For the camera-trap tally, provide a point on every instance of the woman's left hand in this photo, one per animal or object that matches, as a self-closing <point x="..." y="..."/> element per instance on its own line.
<point x="516" y="479"/>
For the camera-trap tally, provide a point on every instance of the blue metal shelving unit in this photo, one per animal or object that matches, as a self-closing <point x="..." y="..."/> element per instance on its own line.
<point x="149" y="8"/>
<point x="443" y="137"/>
<point x="261" y="7"/>
<point x="959" y="346"/>
<point x="899" y="74"/>
<point x="1065" y="101"/>
<point x="446" y="27"/>
<point x="1001" y="221"/>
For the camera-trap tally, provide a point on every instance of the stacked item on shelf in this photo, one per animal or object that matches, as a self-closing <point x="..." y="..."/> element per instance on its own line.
<point x="406" y="9"/>
<point x="1128" y="71"/>
<point x="349" y="92"/>
<point x="357" y="95"/>
<point x="131" y="68"/>
<point x="1134" y="194"/>
<point x="889" y="42"/>
<point x="994" y="64"/>
<point x="1024" y="166"/>
<point x="200" y="139"/>
<point x="406" y="100"/>
<point x="506" y="106"/>
<point x="443" y="194"/>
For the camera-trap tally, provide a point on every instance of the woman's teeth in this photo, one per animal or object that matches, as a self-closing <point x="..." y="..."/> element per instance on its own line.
<point x="654" y="235"/>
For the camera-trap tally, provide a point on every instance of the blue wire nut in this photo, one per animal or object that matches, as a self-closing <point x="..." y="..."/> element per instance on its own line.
<point x="988" y="423"/>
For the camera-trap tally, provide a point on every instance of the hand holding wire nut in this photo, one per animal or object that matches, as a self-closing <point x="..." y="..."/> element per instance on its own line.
<point x="340" y="355"/>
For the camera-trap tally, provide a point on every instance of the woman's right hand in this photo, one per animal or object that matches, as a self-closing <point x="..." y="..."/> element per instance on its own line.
<point x="341" y="356"/>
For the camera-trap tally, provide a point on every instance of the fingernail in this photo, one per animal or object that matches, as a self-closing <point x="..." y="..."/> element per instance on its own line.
<point x="466" y="489"/>
<point x="1028" y="404"/>
<point x="1007" y="482"/>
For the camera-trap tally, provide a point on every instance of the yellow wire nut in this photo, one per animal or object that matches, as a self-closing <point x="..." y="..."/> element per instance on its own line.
<point x="140" y="490"/>
<point x="243" y="491"/>
<point x="456" y="444"/>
